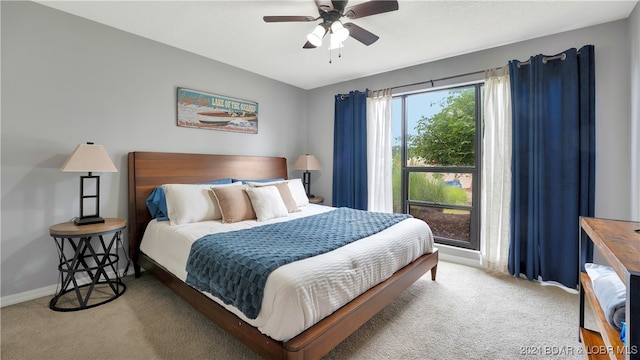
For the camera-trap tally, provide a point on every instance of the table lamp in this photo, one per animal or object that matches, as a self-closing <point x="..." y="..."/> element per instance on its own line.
<point x="89" y="158"/>
<point x="307" y="162"/>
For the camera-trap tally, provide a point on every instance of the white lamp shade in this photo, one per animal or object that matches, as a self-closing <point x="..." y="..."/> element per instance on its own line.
<point x="333" y="44"/>
<point x="339" y="32"/>
<point x="89" y="158"/>
<point x="315" y="37"/>
<point x="307" y="162"/>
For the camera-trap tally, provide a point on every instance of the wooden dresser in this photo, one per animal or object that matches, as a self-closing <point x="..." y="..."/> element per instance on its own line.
<point x="619" y="243"/>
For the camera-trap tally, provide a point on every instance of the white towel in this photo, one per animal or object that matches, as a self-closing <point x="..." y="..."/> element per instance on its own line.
<point x="610" y="292"/>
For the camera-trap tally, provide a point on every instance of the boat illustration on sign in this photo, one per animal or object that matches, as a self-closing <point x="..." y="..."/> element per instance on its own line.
<point x="220" y="117"/>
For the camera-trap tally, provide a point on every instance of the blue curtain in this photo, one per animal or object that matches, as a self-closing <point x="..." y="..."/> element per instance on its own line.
<point x="350" y="150"/>
<point x="553" y="163"/>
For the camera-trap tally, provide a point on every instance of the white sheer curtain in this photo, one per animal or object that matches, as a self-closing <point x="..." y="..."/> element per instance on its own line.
<point x="379" y="151"/>
<point x="496" y="172"/>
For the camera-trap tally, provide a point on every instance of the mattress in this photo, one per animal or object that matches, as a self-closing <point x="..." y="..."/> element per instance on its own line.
<point x="300" y="294"/>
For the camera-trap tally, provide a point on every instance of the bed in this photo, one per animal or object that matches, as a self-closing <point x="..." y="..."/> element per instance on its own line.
<point x="148" y="170"/>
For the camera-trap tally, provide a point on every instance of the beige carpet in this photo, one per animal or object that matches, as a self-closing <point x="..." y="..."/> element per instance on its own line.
<point x="466" y="314"/>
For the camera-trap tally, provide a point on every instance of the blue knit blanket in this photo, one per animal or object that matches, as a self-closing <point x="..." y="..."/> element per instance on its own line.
<point x="234" y="266"/>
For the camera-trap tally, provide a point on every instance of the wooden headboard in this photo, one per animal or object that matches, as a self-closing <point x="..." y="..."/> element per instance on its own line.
<point x="147" y="170"/>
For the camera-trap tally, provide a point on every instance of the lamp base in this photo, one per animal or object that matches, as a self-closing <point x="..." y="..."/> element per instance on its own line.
<point x="88" y="220"/>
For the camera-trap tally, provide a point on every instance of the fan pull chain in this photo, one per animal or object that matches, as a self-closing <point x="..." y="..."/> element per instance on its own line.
<point x="331" y="52"/>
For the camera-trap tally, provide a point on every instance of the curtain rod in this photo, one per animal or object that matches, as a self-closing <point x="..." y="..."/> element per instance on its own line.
<point x="523" y="63"/>
<point x="447" y="78"/>
<point x="562" y="56"/>
<point x="545" y="59"/>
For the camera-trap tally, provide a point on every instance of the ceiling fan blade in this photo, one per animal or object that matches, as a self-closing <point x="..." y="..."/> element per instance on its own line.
<point x="370" y="8"/>
<point x="364" y="36"/>
<point x="287" y="18"/>
<point x="308" y="45"/>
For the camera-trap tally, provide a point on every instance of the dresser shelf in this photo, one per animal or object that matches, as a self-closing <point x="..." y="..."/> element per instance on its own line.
<point x="619" y="243"/>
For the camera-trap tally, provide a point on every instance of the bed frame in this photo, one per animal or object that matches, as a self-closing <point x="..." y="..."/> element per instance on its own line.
<point x="148" y="170"/>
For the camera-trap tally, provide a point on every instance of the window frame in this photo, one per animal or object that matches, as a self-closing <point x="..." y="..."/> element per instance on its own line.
<point x="476" y="171"/>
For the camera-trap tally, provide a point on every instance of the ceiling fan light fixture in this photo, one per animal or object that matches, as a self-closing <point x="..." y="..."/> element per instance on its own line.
<point x="339" y="32"/>
<point x="334" y="44"/>
<point x="315" y="37"/>
<point x="331" y="12"/>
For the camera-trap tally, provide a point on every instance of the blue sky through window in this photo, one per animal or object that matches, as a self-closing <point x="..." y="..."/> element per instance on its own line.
<point x="424" y="104"/>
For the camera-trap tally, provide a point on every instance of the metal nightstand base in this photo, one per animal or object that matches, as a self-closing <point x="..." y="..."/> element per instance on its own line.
<point x="91" y="288"/>
<point x="87" y="258"/>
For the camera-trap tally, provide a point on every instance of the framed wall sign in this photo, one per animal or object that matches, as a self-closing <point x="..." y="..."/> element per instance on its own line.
<point x="197" y="109"/>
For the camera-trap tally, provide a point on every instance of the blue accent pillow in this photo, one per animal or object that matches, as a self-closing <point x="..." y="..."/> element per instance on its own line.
<point x="259" y="180"/>
<point x="157" y="202"/>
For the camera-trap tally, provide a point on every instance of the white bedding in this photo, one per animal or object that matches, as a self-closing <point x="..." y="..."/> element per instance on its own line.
<point x="299" y="294"/>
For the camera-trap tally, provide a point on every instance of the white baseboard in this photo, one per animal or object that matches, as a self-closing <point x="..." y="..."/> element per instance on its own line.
<point x="458" y="255"/>
<point x="28" y="295"/>
<point x="41" y="292"/>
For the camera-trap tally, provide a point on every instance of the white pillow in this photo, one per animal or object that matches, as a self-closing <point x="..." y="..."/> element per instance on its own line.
<point x="285" y="193"/>
<point x="267" y="202"/>
<point x="298" y="192"/>
<point x="187" y="203"/>
<point x="264" y="183"/>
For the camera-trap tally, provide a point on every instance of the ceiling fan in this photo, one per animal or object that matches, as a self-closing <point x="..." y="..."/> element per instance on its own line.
<point x="330" y="14"/>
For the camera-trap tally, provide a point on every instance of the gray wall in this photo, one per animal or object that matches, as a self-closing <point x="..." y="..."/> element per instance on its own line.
<point x="67" y="80"/>
<point x="634" y="39"/>
<point x="614" y="180"/>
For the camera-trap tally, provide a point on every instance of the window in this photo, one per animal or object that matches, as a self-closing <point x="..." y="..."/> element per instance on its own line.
<point x="436" y="161"/>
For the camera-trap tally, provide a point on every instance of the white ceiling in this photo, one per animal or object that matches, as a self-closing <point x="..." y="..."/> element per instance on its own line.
<point x="234" y="33"/>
